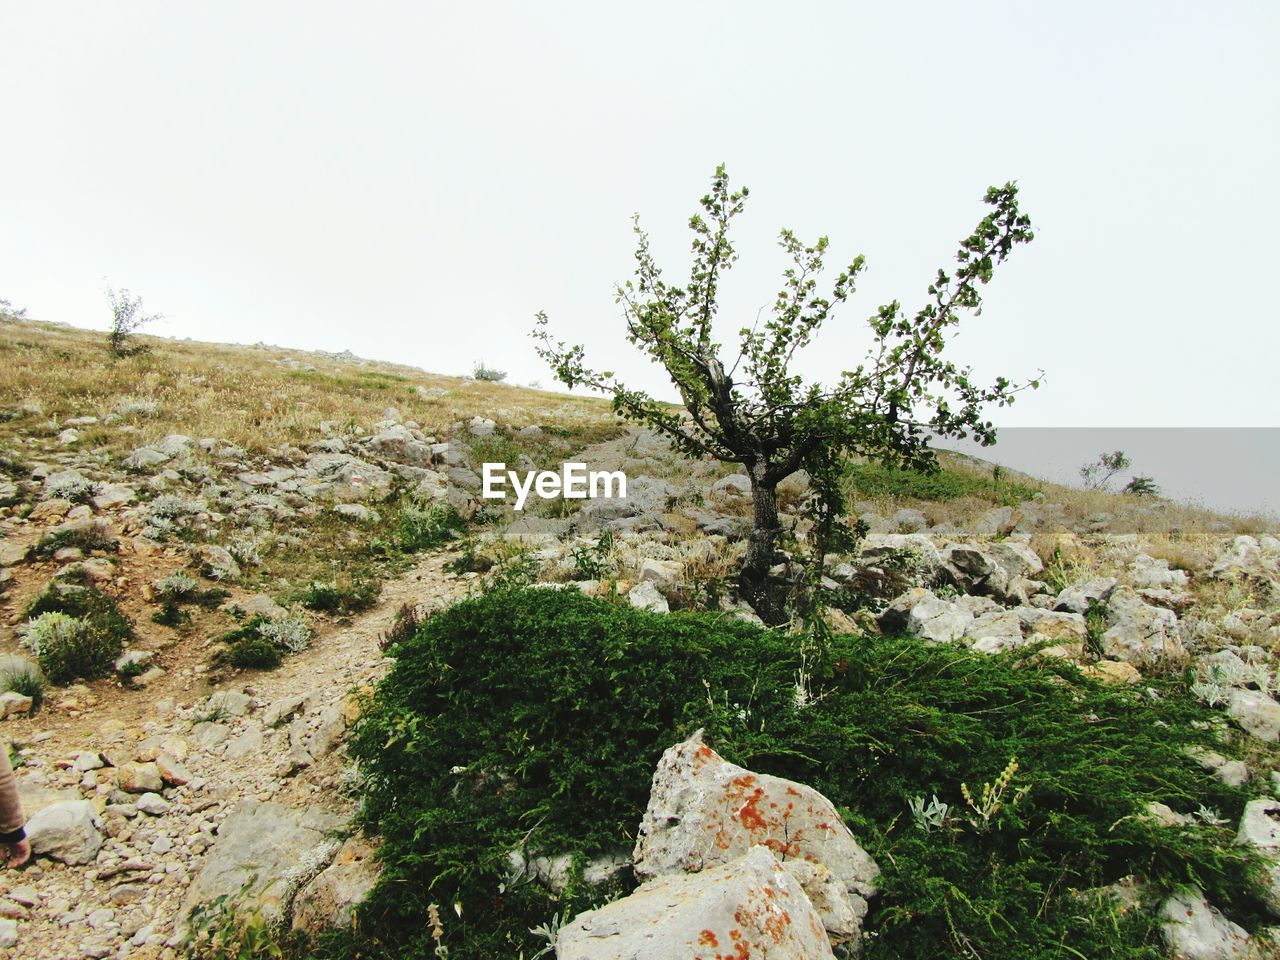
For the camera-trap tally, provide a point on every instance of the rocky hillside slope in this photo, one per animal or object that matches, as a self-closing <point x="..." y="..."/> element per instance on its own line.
<point x="177" y="522"/>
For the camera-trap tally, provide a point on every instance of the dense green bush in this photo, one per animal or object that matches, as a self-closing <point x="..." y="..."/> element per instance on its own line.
<point x="87" y="650"/>
<point x="534" y="719"/>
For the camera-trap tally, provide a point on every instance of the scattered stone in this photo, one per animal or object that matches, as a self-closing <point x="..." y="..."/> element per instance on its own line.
<point x="1255" y="712"/>
<point x="140" y="778"/>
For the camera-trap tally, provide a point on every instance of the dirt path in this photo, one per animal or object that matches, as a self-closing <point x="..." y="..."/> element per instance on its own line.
<point x="124" y="902"/>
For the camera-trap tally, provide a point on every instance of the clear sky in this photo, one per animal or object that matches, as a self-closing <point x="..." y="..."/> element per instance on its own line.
<point x="412" y="181"/>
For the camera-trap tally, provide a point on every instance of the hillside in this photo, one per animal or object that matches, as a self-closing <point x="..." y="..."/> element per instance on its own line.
<point x="245" y="531"/>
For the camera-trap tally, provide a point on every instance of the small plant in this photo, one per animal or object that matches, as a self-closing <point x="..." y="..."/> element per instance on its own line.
<point x="70" y="486"/>
<point x="405" y="625"/>
<point x="343" y="596"/>
<point x="487" y="374"/>
<point x="69" y="648"/>
<point x="170" y="614"/>
<point x="87" y="538"/>
<point x="986" y="810"/>
<point x="255" y="653"/>
<point x="422" y="529"/>
<point x="550" y="932"/>
<point x="1097" y="474"/>
<point x="27" y="681"/>
<point x="126" y="319"/>
<point x="1210" y="817"/>
<point x="1095" y="625"/>
<point x="1142" y="486"/>
<point x="590" y="561"/>
<point x="179" y="585"/>
<point x="221" y="932"/>
<point x="289" y="634"/>
<point x="129" y="671"/>
<point x="518" y="570"/>
<point x="930" y="816"/>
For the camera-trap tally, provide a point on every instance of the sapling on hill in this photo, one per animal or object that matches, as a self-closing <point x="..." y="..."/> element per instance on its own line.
<point x="127" y="318"/>
<point x="756" y="411"/>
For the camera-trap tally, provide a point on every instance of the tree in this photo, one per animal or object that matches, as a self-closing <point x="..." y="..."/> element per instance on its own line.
<point x="1142" y="486"/>
<point x="757" y="412"/>
<point x="1097" y="474"/>
<point x="126" y="318"/>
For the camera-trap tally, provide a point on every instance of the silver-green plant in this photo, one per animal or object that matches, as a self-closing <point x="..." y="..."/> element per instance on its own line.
<point x="930" y="816"/>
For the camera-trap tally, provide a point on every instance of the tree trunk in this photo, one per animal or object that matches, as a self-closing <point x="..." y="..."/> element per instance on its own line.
<point x="754" y="583"/>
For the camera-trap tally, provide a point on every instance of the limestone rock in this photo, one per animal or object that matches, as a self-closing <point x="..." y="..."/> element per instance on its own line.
<point x="1260" y="829"/>
<point x="259" y="845"/>
<point x="1194" y="930"/>
<point x="704" y="812"/>
<point x="329" y="901"/>
<point x="749" y="907"/>
<point x="646" y="596"/>
<point x="920" y="612"/>
<point x="140" y="778"/>
<point x="1255" y="712"/>
<point x="65" y="831"/>
<point x="1138" y="632"/>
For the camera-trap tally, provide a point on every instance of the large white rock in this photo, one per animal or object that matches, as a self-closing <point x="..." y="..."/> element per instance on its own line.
<point x="1194" y="930"/>
<point x="922" y="614"/>
<point x="1260" y="829"/>
<point x="750" y="907"/>
<point x="646" y="596"/>
<point x="66" y="831"/>
<point x="1137" y="632"/>
<point x="263" y="849"/>
<point x="704" y="812"/>
<point x="1255" y="712"/>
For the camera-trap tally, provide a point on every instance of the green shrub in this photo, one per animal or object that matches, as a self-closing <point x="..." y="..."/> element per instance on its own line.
<point x="68" y="648"/>
<point x="254" y="652"/>
<point x="343" y="596"/>
<point x="88" y="538"/>
<point x="418" y="528"/>
<point x="870" y="479"/>
<point x="171" y="614"/>
<point x="92" y="650"/>
<point x="534" y="718"/>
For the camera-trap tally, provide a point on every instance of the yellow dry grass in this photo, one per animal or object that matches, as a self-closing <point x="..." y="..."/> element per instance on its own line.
<point x="255" y="397"/>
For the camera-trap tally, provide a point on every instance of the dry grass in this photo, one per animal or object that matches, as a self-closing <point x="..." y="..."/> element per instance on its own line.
<point x="256" y="397"/>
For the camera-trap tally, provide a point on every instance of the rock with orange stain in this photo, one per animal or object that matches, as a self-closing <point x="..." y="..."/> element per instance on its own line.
<point x="704" y="812"/>
<point x="748" y="909"/>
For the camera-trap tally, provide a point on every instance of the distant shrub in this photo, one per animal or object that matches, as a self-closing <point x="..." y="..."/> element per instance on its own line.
<point x="422" y="528"/>
<point x="70" y="486"/>
<point x="87" y="537"/>
<point x="255" y="653"/>
<point x="871" y="479"/>
<point x="179" y="585"/>
<point x="261" y="643"/>
<point x="68" y="648"/>
<point x="1141" y="486"/>
<point x="290" y="634"/>
<point x="343" y="596"/>
<point x="532" y="720"/>
<point x="170" y="614"/>
<point x="489" y="374"/>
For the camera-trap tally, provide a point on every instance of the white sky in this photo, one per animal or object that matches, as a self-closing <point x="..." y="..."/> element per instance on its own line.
<point x="412" y="181"/>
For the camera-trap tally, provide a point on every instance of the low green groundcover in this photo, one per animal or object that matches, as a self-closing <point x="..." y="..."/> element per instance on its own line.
<point x="533" y="719"/>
